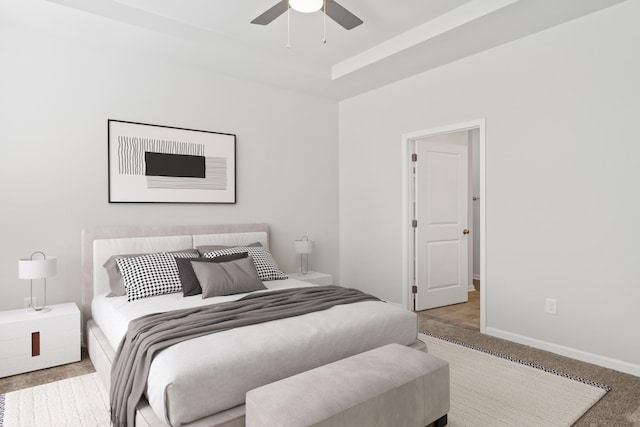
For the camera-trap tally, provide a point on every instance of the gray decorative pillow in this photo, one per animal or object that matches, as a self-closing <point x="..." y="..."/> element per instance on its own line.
<point x="190" y="284"/>
<point x="227" y="278"/>
<point x="152" y="274"/>
<point x="265" y="264"/>
<point x="116" y="285"/>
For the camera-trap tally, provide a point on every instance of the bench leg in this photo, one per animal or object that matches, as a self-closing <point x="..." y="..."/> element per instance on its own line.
<point x="441" y="422"/>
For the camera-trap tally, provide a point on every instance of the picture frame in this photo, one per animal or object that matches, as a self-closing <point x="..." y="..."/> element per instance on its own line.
<point x="150" y="163"/>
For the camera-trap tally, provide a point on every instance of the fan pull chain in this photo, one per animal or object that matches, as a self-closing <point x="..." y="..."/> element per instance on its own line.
<point x="288" y="26"/>
<point x="324" y="24"/>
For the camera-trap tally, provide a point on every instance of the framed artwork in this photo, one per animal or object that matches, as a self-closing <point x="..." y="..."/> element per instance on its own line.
<point x="162" y="164"/>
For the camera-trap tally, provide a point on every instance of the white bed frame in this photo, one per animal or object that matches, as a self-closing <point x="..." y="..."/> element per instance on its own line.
<point x="99" y="244"/>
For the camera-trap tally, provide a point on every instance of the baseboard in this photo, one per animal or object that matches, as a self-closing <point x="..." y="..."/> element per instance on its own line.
<point x="607" y="362"/>
<point x="476" y="277"/>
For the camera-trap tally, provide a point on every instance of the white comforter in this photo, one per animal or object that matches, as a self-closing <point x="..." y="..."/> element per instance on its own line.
<point x="202" y="376"/>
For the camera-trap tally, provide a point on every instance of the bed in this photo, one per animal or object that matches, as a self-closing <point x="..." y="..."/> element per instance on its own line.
<point x="202" y="381"/>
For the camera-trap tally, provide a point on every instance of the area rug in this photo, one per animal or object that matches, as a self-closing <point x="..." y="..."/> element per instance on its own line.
<point x="489" y="389"/>
<point x="486" y="390"/>
<point x="77" y="401"/>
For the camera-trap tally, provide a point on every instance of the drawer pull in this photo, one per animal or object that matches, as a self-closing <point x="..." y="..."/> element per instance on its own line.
<point x="35" y="344"/>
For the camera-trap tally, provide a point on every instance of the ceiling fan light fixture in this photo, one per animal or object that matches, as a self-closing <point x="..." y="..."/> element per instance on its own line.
<point x="306" y="6"/>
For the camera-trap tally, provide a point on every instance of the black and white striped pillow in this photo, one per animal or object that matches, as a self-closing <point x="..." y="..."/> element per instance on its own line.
<point x="151" y="274"/>
<point x="266" y="266"/>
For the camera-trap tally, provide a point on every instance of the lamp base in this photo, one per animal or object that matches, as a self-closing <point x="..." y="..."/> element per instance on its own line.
<point x="304" y="264"/>
<point x="36" y="311"/>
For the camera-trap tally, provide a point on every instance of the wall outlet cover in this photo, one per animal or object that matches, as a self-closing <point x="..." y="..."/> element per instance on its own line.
<point x="551" y="306"/>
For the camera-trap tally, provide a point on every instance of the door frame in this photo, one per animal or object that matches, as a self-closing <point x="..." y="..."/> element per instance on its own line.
<point x="408" y="140"/>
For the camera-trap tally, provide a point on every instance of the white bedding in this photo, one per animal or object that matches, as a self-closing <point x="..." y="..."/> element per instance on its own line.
<point x="209" y="374"/>
<point x="113" y="314"/>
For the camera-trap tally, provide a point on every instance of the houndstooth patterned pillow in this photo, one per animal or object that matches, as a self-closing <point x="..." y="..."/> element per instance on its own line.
<point x="266" y="266"/>
<point x="151" y="274"/>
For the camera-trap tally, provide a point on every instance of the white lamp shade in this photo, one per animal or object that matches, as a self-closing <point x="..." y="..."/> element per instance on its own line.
<point x="37" y="268"/>
<point x="303" y="246"/>
<point x="306" y="6"/>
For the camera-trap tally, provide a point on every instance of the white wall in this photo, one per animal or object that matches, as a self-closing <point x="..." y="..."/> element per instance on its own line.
<point x="64" y="73"/>
<point x="561" y="110"/>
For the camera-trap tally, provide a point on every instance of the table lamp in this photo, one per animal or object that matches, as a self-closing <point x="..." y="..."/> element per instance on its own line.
<point x="304" y="247"/>
<point x="38" y="268"/>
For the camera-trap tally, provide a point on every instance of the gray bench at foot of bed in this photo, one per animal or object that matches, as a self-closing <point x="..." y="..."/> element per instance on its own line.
<point x="391" y="385"/>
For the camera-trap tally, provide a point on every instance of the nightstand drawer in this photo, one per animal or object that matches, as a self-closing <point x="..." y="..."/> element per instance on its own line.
<point x="44" y="340"/>
<point x="30" y="340"/>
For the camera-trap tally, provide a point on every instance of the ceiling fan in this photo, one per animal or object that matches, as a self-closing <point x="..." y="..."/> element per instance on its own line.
<point x="333" y="10"/>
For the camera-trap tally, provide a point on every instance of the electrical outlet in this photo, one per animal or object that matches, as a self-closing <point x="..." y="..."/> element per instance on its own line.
<point x="551" y="306"/>
<point x="28" y="303"/>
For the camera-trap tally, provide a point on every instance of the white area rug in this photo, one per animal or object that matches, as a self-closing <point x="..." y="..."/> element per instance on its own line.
<point x="485" y="391"/>
<point x="78" y="401"/>
<point x="491" y="391"/>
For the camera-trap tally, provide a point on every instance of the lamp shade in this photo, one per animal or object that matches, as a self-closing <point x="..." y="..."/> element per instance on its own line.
<point x="306" y="6"/>
<point x="304" y="246"/>
<point x="37" y="268"/>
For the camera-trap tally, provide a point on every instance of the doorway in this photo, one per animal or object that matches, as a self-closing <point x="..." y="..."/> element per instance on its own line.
<point x="467" y="238"/>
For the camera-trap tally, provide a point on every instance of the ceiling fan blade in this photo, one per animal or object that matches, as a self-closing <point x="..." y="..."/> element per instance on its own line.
<point x="272" y="13"/>
<point x="341" y="15"/>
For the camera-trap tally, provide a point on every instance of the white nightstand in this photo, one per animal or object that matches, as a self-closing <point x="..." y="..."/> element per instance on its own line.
<point x="31" y="340"/>
<point x="314" y="277"/>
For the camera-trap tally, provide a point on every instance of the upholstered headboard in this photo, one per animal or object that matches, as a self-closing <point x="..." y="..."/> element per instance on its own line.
<point x="98" y="244"/>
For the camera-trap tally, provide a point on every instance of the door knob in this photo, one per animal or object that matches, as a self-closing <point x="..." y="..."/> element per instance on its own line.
<point x="465" y="231"/>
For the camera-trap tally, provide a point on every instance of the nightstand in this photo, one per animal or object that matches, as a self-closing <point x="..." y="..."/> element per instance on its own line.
<point x="314" y="277"/>
<point x="31" y="340"/>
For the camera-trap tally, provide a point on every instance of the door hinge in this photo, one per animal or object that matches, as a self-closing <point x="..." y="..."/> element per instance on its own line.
<point x="414" y="223"/>
<point x="414" y="289"/>
<point x="414" y="157"/>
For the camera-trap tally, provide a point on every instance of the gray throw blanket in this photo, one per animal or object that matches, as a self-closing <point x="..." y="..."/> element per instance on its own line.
<point x="150" y="334"/>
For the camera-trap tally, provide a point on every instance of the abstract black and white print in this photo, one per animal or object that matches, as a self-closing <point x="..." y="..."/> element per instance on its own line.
<point x="213" y="171"/>
<point x="171" y="164"/>
<point x="132" y="151"/>
<point x="163" y="164"/>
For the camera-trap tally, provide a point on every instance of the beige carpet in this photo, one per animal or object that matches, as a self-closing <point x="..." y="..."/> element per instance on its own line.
<point x="485" y="391"/>
<point x="491" y="391"/>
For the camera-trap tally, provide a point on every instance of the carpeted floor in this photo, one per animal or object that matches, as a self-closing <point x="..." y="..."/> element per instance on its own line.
<point x="620" y="407"/>
<point x="486" y="391"/>
<point x="44" y="376"/>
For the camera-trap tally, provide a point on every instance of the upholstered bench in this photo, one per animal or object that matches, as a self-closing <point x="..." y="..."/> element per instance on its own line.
<point x="393" y="385"/>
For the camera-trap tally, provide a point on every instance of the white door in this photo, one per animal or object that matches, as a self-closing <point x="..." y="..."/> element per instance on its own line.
<point x="441" y="203"/>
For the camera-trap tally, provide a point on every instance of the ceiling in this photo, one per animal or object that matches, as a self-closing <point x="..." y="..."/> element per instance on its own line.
<point x="397" y="39"/>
